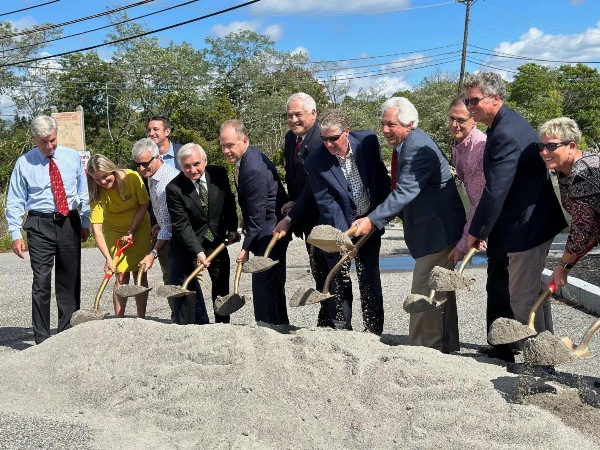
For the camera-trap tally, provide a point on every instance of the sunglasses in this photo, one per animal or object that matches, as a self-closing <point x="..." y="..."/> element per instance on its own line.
<point x="144" y="165"/>
<point x="551" y="146"/>
<point x="473" y="101"/>
<point x="331" y="138"/>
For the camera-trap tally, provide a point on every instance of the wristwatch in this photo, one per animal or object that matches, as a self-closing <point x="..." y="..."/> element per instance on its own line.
<point x="153" y="253"/>
<point x="288" y="218"/>
<point x="566" y="266"/>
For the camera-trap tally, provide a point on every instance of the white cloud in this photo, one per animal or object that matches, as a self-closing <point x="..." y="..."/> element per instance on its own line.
<point x="300" y="49"/>
<point x="25" y="22"/>
<point x="338" y="6"/>
<point x="274" y="31"/>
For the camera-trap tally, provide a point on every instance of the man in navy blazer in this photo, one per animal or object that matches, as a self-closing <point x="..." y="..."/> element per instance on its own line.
<point x="518" y="214"/>
<point x="261" y="197"/>
<point x="197" y="229"/>
<point x="427" y="201"/>
<point x="348" y="179"/>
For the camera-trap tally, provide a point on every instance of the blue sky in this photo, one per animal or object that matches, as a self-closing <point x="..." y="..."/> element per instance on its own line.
<point x="391" y="44"/>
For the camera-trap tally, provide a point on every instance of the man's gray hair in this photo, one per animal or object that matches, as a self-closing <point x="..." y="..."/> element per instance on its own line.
<point x="42" y="126"/>
<point x="144" y="145"/>
<point x="237" y="125"/>
<point x="564" y="128"/>
<point x="307" y="101"/>
<point x="489" y="83"/>
<point x="186" y="151"/>
<point x="334" y="119"/>
<point x="407" y="113"/>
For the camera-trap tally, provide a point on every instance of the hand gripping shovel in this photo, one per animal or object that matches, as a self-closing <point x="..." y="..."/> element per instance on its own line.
<point x="229" y="304"/>
<point x="126" y="290"/>
<point x="332" y="240"/>
<point x="258" y="264"/>
<point x="95" y="314"/>
<point x="308" y="297"/>
<point x="171" y="290"/>
<point x="416" y="303"/>
<point x="505" y="331"/>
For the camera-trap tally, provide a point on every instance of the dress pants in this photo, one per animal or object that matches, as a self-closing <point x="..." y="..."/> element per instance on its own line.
<point x="54" y="242"/>
<point x="339" y="309"/>
<point x="219" y="271"/>
<point x="189" y="309"/>
<point x="268" y="289"/>
<point x="165" y="267"/>
<point x="438" y="327"/>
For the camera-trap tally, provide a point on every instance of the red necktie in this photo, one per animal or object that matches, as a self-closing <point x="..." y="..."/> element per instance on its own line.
<point x="298" y="144"/>
<point x="394" y="168"/>
<point x="58" y="189"/>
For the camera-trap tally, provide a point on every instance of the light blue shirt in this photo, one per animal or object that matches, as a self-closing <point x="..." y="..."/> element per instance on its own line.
<point x="169" y="157"/>
<point x="30" y="188"/>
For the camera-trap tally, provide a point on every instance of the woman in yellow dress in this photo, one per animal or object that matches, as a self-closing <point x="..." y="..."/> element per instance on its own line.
<point x="119" y="210"/>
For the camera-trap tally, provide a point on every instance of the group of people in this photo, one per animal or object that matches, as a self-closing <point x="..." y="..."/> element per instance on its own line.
<point x="334" y="176"/>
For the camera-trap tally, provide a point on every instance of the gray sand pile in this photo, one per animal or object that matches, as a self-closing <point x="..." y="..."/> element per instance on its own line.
<point x="330" y="239"/>
<point x="546" y="349"/>
<point x="505" y="331"/>
<point x="140" y="384"/>
<point x="442" y="279"/>
<point x="258" y="264"/>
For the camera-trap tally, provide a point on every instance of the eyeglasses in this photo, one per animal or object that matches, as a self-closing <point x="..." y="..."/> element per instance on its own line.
<point x="551" y="146"/>
<point x="473" y="101"/>
<point x="144" y="165"/>
<point x="298" y="115"/>
<point x="451" y="120"/>
<point x="331" y="138"/>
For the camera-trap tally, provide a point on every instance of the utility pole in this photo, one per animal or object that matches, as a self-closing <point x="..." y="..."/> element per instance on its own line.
<point x="468" y="4"/>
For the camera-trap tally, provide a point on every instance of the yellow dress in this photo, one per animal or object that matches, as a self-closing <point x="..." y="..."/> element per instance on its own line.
<point x="116" y="215"/>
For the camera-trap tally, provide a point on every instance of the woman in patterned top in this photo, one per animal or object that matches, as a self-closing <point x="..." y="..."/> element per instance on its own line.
<point x="579" y="182"/>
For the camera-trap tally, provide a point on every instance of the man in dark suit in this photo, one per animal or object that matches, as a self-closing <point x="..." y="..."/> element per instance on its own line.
<point x="261" y="197"/>
<point x="348" y="180"/>
<point x="427" y="201"/>
<point x="203" y="213"/>
<point x="518" y="214"/>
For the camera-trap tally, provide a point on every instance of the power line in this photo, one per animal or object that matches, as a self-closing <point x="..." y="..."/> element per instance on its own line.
<point x="29" y="7"/>
<point x="489" y="52"/>
<point x="206" y="16"/>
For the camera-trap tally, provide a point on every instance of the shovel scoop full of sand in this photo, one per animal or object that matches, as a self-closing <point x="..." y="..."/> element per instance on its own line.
<point x="228" y="304"/>
<point x="332" y="240"/>
<point x="546" y="349"/>
<point x="442" y="279"/>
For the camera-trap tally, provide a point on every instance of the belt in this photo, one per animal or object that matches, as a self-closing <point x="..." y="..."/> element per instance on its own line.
<point x="53" y="215"/>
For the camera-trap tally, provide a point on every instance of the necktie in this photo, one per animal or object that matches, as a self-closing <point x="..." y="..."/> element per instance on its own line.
<point x="58" y="188"/>
<point x="203" y="194"/>
<point x="298" y="144"/>
<point x="394" y="168"/>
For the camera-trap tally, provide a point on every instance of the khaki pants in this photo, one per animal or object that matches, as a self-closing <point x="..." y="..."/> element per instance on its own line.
<point x="438" y="327"/>
<point x="165" y="267"/>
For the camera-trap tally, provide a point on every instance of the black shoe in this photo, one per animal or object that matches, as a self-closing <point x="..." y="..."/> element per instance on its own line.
<point x="502" y="352"/>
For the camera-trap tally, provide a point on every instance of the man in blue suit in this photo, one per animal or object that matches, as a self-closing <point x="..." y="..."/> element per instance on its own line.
<point x="348" y="180"/>
<point x="261" y="197"/>
<point x="518" y="214"/>
<point x="426" y="199"/>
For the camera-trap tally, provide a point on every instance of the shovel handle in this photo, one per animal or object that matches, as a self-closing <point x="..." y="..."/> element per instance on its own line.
<point x="120" y="248"/>
<point x="583" y="348"/>
<point x="350" y="231"/>
<point x="466" y="259"/>
<point x="538" y="303"/>
<point x="142" y="269"/>
<point x="238" y="275"/>
<point x="335" y="269"/>
<point x="272" y="242"/>
<point x="200" y="267"/>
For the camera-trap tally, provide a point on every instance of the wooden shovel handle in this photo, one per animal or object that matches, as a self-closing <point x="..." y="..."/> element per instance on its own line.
<point x="272" y="242"/>
<point x="200" y="267"/>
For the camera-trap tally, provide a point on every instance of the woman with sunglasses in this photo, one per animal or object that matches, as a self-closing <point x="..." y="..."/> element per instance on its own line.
<point x="119" y="210"/>
<point x="579" y="183"/>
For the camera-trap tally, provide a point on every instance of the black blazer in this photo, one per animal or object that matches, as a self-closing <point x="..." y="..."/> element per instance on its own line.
<point x="261" y="196"/>
<point x="518" y="195"/>
<point x="189" y="222"/>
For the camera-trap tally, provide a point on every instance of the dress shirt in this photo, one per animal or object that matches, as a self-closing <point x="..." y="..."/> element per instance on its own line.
<point x="359" y="193"/>
<point x="169" y="157"/>
<point x="30" y="188"/>
<point x="468" y="160"/>
<point x="157" y="184"/>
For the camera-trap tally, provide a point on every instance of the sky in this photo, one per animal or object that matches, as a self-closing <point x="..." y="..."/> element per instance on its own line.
<point x="387" y="44"/>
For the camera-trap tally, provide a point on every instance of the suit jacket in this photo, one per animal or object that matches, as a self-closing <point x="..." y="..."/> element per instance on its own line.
<point x="261" y="196"/>
<point x="305" y="214"/>
<point x="425" y="197"/>
<point x="188" y="220"/>
<point x="176" y="148"/>
<point x="330" y="187"/>
<point x="518" y="196"/>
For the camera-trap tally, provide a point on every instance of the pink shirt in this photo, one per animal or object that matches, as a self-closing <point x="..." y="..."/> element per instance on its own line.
<point x="467" y="157"/>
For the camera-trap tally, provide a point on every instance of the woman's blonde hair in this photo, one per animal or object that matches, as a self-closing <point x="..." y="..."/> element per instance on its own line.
<point x="103" y="164"/>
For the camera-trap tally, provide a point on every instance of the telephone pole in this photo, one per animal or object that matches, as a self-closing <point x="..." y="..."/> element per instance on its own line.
<point x="468" y="4"/>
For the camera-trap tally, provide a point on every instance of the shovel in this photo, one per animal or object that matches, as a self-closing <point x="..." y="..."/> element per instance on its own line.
<point x="171" y="290"/>
<point x="258" y="264"/>
<point x="229" y="304"/>
<point x="416" y="303"/>
<point x="310" y="296"/>
<point x="443" y="280"/>
<point x="583" y="349"/>
<point x="95" y="314"/>
<point x="506" y="331"/>
<point x="126" y="290"/>
<point x="332" y="240"/>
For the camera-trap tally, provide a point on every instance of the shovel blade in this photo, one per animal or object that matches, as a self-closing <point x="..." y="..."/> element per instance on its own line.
<point x="507" y="331"/>
<point x="229" y="304"/>
<point x="82" y="316"/>
<point x="126" y="290"/>
<point x="443" y="280"/>
<point x="304" y="297"/>
<point x="258" y="264"/>
<point x="170" y="290"/>
<point x="416" y="303"/>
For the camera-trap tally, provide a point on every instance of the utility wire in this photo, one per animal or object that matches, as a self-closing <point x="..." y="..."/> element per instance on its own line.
<point x="29" y="7"/>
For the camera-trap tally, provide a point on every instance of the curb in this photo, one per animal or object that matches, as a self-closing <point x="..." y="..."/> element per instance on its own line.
<point x="578" y="291"/>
